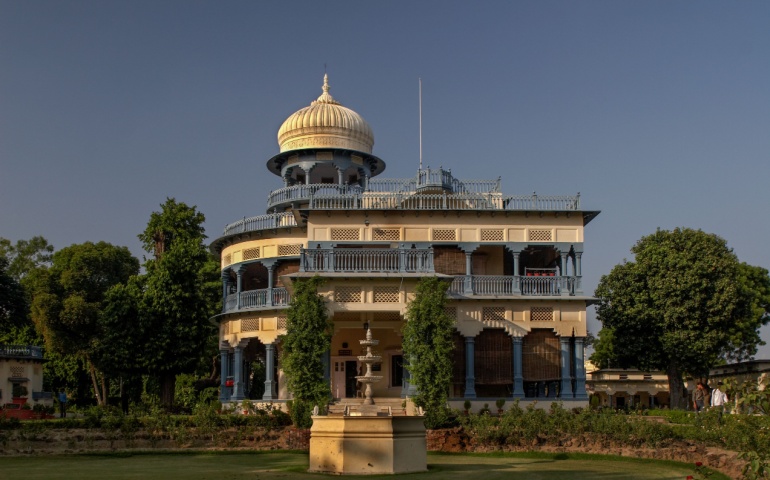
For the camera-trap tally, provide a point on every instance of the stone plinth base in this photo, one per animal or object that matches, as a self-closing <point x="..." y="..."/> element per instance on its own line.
<point x="368" y="445"/>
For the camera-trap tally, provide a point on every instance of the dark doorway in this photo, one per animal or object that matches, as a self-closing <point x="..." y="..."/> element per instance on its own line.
<point x="397" y="371"/>
<point x="351" y="370"/>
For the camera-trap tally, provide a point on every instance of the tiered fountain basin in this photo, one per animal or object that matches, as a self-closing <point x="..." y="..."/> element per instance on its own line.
<point x="368" y="445"/>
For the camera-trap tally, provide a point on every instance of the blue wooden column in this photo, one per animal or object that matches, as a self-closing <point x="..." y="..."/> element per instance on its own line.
<point x="517" y="276"/>
<point x="224" y="358"/>
<point x="578" y="272"/>
<point x="580" y="370"/>
<point x="518" y="375"/>
<point x="238" y="373"/>
<point x="239" y="284"/>
<point x="270" y="281"/>
<point x="566" y="380"/>
<point x="269" y="372"/>
<point x="225" y="287"/>
<point x="470" y="374"/>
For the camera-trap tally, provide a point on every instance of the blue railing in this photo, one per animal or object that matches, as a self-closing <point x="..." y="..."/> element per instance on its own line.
<point x="262" y="298"/>
<point x="504" y="285"/>
<point x="367" y="260"/>
<point x="28" y="351"/>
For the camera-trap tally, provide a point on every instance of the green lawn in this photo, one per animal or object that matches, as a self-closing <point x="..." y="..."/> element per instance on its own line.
<point x="289" y="465"/>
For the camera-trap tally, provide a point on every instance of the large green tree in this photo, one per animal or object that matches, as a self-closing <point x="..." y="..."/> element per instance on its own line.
<point x="428" y="348"/>
<point x="307" y="341"/>
<point x="25" y="255"/>
<point x="13" y="304"/>
<point x="166" y="310"/>
<point x="68" y="299"/>
<point x="683" y="305"/>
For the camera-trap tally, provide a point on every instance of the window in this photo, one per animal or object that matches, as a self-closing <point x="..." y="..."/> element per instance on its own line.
<point x="396" y="370"/>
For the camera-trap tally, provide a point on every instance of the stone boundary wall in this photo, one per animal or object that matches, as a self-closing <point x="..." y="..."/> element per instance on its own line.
<point x="454" y="440"/>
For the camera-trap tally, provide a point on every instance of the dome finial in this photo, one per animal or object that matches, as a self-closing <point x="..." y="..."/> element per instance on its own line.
<point x="325" y="96"/>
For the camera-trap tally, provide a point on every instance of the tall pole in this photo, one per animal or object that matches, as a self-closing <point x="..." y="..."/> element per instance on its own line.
<point x="420" y="80"/>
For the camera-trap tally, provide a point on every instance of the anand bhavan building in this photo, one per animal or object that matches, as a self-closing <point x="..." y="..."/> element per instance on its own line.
<point x="513" y="263"/>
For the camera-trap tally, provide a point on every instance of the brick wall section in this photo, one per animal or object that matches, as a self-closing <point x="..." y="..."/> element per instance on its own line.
<point x="285" y="268"/>
<point x="297" y="439"/>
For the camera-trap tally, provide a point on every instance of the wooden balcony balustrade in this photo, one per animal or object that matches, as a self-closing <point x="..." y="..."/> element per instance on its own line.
<point x="262" y="298"/>
<point x="504" y="285"/>
<point x="367" y="260"/>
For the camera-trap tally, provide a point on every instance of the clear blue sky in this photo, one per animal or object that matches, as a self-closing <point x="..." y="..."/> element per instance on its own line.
<point x="658" y="112"/>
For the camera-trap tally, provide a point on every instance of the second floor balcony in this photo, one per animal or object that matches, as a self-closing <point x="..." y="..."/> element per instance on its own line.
<point x="257" y="299"/>
<point x="367" y="260"/>
<point x="510" y="285"/>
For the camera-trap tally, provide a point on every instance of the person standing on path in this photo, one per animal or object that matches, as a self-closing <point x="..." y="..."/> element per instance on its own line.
<point x="62" y="404"/>
<point x="698" y="397"/>
<point x="718" y="397"/>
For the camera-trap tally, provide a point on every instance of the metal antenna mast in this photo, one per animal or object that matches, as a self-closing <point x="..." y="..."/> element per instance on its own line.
<point x="420" y="80"/>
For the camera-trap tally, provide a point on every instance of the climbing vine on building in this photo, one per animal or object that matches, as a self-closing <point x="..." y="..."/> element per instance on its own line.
<point x="304" y="347"/>
<point x="428" y="349"/>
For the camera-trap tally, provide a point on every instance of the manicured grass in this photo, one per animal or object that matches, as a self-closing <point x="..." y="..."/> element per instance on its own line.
<point x="283" y="465"/>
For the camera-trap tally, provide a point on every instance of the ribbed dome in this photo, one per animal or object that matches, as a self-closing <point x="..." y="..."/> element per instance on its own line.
<point x="326" y="124"/>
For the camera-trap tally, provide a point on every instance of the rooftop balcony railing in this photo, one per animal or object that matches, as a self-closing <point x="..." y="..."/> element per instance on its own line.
<point x="262" y="298"/>
<point x="262" y="222"/>
<point x="505" y="285"/>
<point x="23" y="351"/>
<point x="367" y="260"/>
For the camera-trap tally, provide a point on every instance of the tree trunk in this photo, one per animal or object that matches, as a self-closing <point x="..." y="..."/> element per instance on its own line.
<point x="677" y="394"/>
<point x="105" y="389"/>
<point x="167" y="387"/>
<point x="92" y="370"/>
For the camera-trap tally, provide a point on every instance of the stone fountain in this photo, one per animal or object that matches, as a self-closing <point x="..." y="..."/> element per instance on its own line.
<point x="368" y="440"/>
<point x="369" y="359"/>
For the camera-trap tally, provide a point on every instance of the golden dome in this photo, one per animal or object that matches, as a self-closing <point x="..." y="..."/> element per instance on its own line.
<point x="326" y="124"/>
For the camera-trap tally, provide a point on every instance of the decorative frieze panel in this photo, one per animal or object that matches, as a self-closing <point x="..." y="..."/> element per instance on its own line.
<point x="289" y="250"/>
<point x="444" y="235"/>
<point x="386" y="294"/>
<point x="17" y="372"/>
<point x="541" y="314"/>
<point x="227" y="260"/>
<point x="282" y="322"/>
<point x="251" y="253"/>
<point x="347" y="294"/>
<point x="492" y="235"/>
<point x="345" y="234"/>
<point x="540" y="235"/>
<point x="386" y="234"/>
<point x="493" y="314"/>
<point x="451" y="312"/>
<point x="226" y="328"/>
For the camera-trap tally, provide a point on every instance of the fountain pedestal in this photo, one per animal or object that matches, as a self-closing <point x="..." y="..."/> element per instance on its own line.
<point x="368" y="441"/>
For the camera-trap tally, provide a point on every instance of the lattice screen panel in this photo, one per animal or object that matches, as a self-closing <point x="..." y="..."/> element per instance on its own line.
<point x="444" y="235"/>
<point x="225" y="328"/>
<point x="324" y="156"/>
<point x="345" y="234"/>
<point x="494" y="358"/>
<point x="540" y="356"/>
<point x="386" y="294"/>
<point x="386" y="234"/>
<point x="251" y="253"/>
<point x="451" y="312"/>
<point x="540" y="235"/>
<point x="227" y="260"/>
<point x="347" y="294"/>
<point x="282" y="320"/>
<point x="250" y="325"/>
<point x="541" y="314"/>
<point x="347" y="317"/>
<point x="491" y="314"/>
<point x="492" y="235"/>
<point x="387" y="317"/>
<point x="17" y="372"/>
<point x="286" y="250"/>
